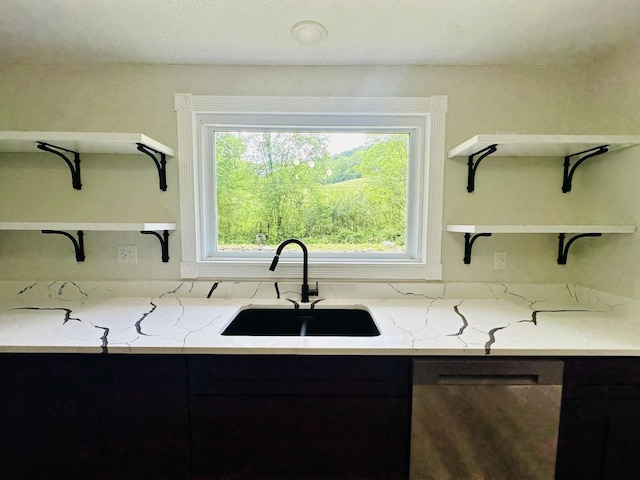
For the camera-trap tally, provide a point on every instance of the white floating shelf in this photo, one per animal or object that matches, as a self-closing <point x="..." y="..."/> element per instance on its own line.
<point x="574" y="148"/>
<point x="69" y="145"/>
<point x="83" y="142"/>
<point x="473" y="232"/>
<point x="105" y="227"/>
<point x="542" y="228"/>
<point x="541" y="145"/>
<point x="62" y="228"/>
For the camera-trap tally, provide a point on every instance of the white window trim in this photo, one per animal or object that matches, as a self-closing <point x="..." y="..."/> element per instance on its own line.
<point x="191" y="111"/>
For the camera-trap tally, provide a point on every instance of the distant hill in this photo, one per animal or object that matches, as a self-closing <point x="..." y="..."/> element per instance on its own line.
<point x="344" y="165"/>
<point x="351" y="183"/>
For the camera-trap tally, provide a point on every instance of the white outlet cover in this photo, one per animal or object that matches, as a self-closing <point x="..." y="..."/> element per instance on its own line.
<point x="500" y="260"/>
<point x="127" y="254"/>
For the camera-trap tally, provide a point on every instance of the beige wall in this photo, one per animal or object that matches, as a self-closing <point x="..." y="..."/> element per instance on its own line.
<point x="612" y="184"/>
<point x="126" y="98"/>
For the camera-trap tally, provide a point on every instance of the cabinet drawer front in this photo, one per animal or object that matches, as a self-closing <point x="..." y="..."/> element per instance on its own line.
<point x="602" y="377"/>
<point x="299" y="375"/>
<point x="68" y="374"/>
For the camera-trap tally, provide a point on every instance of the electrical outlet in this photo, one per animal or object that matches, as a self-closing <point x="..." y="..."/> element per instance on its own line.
<point x="127" y="255"/>
<point x="500" y="260"/>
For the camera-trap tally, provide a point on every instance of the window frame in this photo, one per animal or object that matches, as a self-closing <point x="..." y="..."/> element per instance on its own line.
<point x="197" y="113"/>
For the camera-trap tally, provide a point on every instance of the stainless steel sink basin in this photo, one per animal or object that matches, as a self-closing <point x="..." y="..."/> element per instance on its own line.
<point x="328" y="322"/>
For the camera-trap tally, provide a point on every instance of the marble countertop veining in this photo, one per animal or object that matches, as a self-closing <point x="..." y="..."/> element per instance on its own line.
<point x="414" y="319"/>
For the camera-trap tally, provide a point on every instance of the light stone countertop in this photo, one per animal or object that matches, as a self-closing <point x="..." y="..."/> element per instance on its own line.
<point x="414" y="319"/>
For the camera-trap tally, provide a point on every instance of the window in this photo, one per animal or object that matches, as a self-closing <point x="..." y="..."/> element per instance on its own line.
<point x="257" y="170"/>
<point x="345" y="194"/>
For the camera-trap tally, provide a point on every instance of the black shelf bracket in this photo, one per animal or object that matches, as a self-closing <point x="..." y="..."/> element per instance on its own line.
<point x="164" y="243"/>
<point x="472" y="167"/>
<point x="161" y="163"/>
<point x="468" y="245"/>
<point x="78" y="244"/>
<point x="74" y="167"/>
<point x="570" y="170"/>
<point x="563" y="249"/>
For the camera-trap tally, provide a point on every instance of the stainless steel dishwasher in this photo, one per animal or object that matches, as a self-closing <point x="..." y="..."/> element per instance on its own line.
<point x="485" y="419"/>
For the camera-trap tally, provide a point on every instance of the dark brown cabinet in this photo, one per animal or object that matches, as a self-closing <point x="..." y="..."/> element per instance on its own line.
<point x="80" y="416"/>
<point x="355" y="437"/>
<point x="93" y="416"/>
<point x="266" y="437"/>
<point x="243" y="437"/>
<point x="43" y="434"/>
<point x="140" y="437"/>
<point x="600" y="420"/>
<point x="300" y="417"/>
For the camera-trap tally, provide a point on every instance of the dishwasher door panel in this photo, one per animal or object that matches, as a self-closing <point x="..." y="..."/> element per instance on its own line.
<point x="485" y="420"/>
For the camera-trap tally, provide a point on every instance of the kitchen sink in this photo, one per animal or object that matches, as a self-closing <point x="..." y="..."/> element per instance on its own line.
<point x="322" y="322"/>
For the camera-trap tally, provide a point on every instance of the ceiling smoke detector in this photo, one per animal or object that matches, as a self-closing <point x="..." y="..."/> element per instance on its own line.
<point x="308" y="32"/>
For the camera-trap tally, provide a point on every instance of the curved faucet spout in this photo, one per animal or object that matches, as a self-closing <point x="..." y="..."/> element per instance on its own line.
<point x="306" y="291"/>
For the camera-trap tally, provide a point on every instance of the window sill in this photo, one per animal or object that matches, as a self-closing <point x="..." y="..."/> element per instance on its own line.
<point x="347" y="270"/>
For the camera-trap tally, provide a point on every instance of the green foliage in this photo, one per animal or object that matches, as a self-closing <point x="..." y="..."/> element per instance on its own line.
<point x="274" y="185"/>
<point x="344" y="167"/>
<point x="236" y="182"/>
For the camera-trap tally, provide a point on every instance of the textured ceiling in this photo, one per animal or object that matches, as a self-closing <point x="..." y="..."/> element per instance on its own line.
<point x="360" y="32"/>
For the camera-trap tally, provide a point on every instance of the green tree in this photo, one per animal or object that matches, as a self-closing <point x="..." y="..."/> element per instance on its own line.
<point x="286" y="163"/>
<point x="235" y="187"/>
<point x="384" y="166"/>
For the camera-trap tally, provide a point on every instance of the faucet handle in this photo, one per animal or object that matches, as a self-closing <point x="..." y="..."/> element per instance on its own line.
<point x="313" y="292"/>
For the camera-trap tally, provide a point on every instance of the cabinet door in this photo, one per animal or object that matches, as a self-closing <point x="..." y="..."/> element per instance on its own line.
<point x="294" y="417"/>
<point x="44" y="436"/>
<point x="140" y="437"/>
<point x="139" y="415"/>
<point x="93" y="416"/>
<point x="600" y="420"/>
<point x="261" y="437"/>
<point x="353" y="437"/>
<point x="631" y="460"/>
<point x="599" y="440"/>
<point x="244" y="437"/>
<point x="42" y="426"/>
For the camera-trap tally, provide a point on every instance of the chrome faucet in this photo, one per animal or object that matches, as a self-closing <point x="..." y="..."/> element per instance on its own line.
<point x="306" y="291"/>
